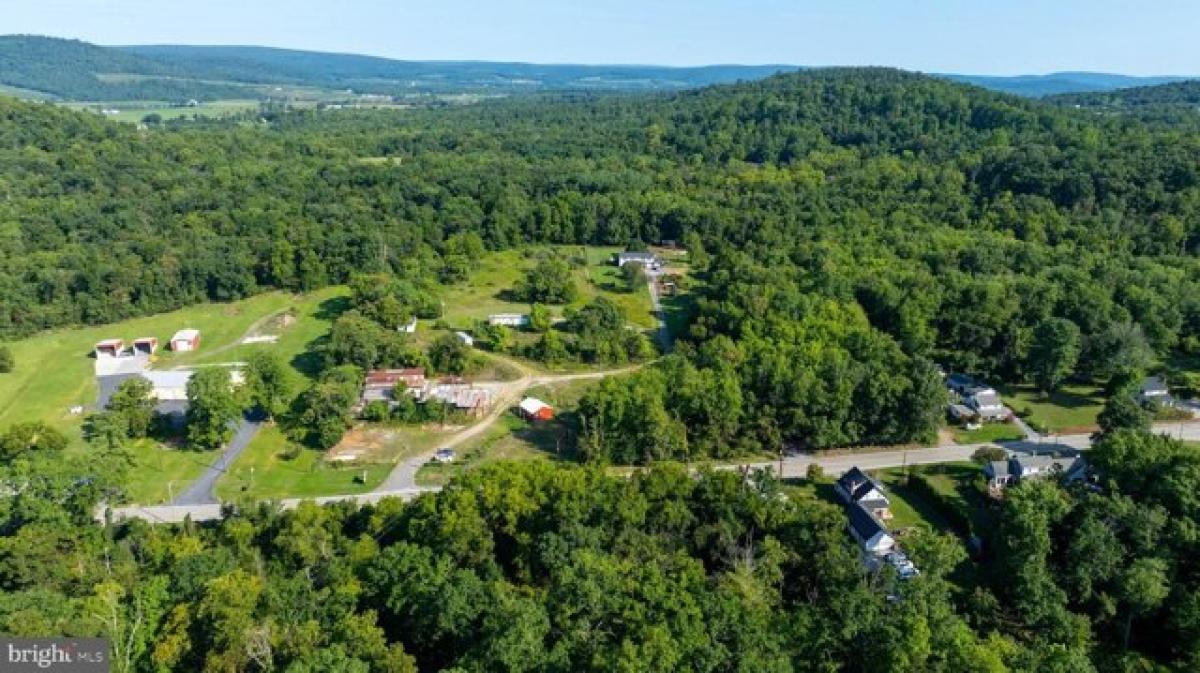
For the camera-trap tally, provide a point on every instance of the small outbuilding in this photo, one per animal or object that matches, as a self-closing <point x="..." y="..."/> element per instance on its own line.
<point x="465" y="338"/>
<point x="109" y="348"/>
<point x="536" y="410"/>
<point x="145" y="345"/>
<point x="185" y="340"/>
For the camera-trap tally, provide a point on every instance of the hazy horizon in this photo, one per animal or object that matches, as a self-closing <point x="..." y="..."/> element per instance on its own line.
<point x="1022" y="37"/>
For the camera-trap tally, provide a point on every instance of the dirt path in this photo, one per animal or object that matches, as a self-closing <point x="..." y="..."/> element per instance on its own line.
<point x="404" y="475"/>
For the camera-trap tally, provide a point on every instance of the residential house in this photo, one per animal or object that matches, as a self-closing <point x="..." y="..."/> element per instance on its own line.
<point x="869" y="531"/>
<point x="856" y="488"/>
<point x="1154" y="390"/>
<point x="986" y="403"/>
<point x="185" y="340"/>
<point x="409" y="327"/>
<point x="646" y="259"/>
<point x="960" y="383"/>
<point x="1019" y="467"/>
<point x="536" y="410"/>
<point x="998" y="475"/>
<point x="509" y="319"/>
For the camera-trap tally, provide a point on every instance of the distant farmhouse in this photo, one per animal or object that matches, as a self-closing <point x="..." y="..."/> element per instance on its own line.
<point x="646" y="259"/>
<point x="509" y="319"/>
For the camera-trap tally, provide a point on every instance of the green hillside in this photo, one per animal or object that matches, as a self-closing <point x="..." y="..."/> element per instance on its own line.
<point x="75" y="70"/>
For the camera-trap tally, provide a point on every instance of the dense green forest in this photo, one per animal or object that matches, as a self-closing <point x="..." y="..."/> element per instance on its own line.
<point x="536" y="567"/>
<point x="852" y="227"/>
<point x="847" y="229"/>
<point x="1175" y="93"/>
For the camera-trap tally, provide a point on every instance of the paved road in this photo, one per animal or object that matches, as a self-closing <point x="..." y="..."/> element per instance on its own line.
<point x="209" y="511"/>
<point x="201" y="491"/>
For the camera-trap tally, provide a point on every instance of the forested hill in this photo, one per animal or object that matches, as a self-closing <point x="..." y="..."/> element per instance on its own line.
<point x="389" y="76"/>
<point x="77" y="70"/>
<point x="846" y="229"/>
<point x="1036" y="86"/>
<point x="1185" y="93"/>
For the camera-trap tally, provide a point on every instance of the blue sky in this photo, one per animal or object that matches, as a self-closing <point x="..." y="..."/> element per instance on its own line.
<point x="1151" y="37"/>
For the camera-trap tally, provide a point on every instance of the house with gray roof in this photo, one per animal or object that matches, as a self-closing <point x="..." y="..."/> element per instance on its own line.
<point x="1154" y="390"/>
<point x="1019" y="467"/>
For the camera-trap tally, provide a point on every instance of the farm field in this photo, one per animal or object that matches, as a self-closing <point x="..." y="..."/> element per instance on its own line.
<point x="54" y="371"/>
<point x="1072" y="408"/>
<point x="488" y="289"/>
<point x="134" y="111"/>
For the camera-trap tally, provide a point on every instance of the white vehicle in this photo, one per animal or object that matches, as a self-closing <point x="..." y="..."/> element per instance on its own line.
<point x="444" y="455"/>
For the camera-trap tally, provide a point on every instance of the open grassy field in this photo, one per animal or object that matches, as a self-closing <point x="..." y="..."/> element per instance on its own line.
<point x="134" y="111"/>
<point x="1072" y="408"/>
<point x="991" y="432"/>
<point x="54" y="370"/>
<point x="271" y="467"/>
<point x="488" y="290"/>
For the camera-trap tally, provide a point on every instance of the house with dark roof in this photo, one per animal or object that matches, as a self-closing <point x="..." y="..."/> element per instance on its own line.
<point x="869" y="531"/>
<point x="856" y="488"/>
<point x="1154" y="390"/>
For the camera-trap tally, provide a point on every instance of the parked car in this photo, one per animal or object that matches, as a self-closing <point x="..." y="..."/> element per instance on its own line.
<point x="444" y="455"/>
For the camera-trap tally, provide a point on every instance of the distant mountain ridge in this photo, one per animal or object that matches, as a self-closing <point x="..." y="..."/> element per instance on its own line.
<point x="1055" y="83"/>
<point x="1185" y="93"/>
<point x="75" y="70"/>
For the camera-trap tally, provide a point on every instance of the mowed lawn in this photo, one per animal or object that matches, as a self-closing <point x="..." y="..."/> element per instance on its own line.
<point x="494" y="277"/>
<point x="1072" y="408"/>
<point x="272" y="467"/>
<point x="990" y="432"/>
<point x="54" y="372"/>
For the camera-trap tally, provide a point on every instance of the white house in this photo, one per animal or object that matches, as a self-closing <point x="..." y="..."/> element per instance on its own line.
<point x="647" y="259"/>
<point x="869" y="531"/>
<point x="986" y="403"/>
<point x="410" y="327"/>
<point x="509" y="319"/>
